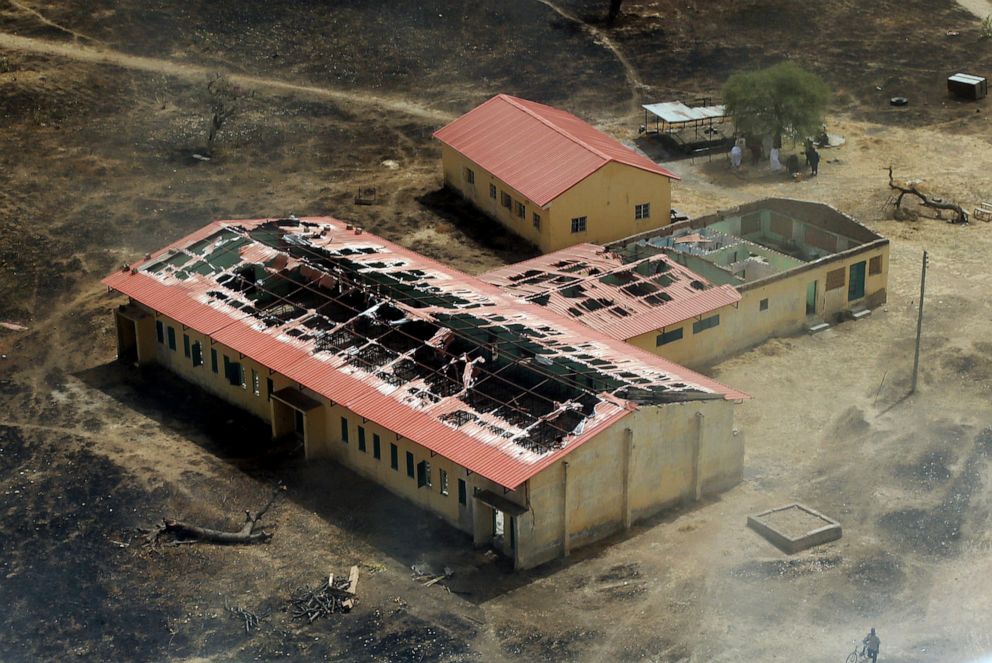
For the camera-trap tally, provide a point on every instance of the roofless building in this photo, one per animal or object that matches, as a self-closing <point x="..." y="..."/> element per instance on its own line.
<point x="516" y="424"/>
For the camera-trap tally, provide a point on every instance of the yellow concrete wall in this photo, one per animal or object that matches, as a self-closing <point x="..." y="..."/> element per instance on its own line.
<point x="454" y="165"/>
<point x="324" y="430"/>
<point x="660" y="462"/>
<point x="661" y="474"/>
<point x="607" y="198"/>
<point x="746" y="325"/>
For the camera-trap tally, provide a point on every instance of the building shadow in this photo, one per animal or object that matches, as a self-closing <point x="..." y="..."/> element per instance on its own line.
<point x="363" y="508"/>
<point x="481" y="229"/>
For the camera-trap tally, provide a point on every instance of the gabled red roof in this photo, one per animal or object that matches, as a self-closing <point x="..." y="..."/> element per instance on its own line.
<point x="538" y="150"/>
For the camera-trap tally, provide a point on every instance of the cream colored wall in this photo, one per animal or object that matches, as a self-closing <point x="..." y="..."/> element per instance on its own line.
<point x="661" y="467"/>
<point x="746" y="325"/>
<point x="607" y="198"/>
<point x="454" y="165"/>
<point x="661" y="456"/>
<point x="324" y="431"/>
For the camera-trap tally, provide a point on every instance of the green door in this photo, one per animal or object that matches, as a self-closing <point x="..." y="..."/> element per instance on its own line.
<point x="856" y="282"/>
<point x="811" y="298"/>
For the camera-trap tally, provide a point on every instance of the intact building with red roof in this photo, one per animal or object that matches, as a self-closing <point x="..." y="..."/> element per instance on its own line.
<point x="550" y="177"/>
<point x="518" y="424"/>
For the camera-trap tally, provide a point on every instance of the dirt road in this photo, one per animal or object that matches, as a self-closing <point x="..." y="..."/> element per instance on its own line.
<point x="106" y="56"/>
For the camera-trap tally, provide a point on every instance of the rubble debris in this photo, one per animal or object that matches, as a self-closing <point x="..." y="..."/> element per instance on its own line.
<point x="250" y="618"/>
<point x="329" y="598"/>
<point x="427" y="578"/>
<point x="13" y="326"/>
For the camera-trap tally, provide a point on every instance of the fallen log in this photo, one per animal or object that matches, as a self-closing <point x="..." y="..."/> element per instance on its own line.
<point x="182" y="532"/>
<point x="927" y="201"/>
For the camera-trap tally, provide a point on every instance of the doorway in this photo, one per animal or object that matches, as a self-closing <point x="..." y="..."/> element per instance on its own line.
<point x="856" y="282"/>
<point x="299" y="424"/>
<point x="811" y="298"/>
<point x="127" y="340"/>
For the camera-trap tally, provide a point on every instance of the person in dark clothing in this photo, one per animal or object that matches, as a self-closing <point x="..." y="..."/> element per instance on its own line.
<point x="872" y="644"/>
<point x="814" y="161"/>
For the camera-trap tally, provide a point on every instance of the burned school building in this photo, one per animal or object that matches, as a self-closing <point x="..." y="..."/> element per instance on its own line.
<point x="699" y="291"/>
<point x="523" y="427"/>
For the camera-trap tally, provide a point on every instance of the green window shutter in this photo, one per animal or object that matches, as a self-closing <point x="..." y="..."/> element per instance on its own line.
<point x="186" y="348"/>
<point x="361" y="438"/>
<point x="160" y="331"/>
<point x="409" y="465"/>
<point x="376" y="450"/>
<point x="172" y="338"/>
<point x="668" y="336"/>
<point x="197" y="353"/>
<point x="213" y="360"/>
<point x="394" y="461"/>
<point x="344" y="430"/>
<point x="462" y="492"/>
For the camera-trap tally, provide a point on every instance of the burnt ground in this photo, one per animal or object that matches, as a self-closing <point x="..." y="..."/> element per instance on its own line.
<point x="101" y="112"/>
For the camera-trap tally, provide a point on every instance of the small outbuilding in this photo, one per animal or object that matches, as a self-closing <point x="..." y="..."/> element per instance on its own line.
<point x="550" y="177"/>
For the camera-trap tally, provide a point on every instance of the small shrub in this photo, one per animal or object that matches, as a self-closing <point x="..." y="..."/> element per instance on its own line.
<point x="986" y="29"/>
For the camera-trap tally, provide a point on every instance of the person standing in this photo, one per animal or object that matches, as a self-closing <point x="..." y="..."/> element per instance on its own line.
<point x="814" y="161"/>
<point x="736" y="155"/>
<point x="872" y="645"/>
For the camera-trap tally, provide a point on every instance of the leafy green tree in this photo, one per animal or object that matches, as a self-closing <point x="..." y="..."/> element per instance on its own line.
<point x="781" y="100"/>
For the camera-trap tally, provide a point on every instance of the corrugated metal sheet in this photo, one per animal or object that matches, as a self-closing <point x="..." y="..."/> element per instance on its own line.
<point x="475" y="446"/>
<point x="582" y="282"/>
<point x="538" y="150"/>
<point x="674" y="112"/>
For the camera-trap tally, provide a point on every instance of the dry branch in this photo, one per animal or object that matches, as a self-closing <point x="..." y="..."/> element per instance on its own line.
<point x="927" y="201"/>
<point x="331" y="597"/>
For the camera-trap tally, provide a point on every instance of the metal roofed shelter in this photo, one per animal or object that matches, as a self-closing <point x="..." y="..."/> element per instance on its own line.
<point x="550" y="177"/>
<point x="430" y="382"/>
<point x="674" y="119"/>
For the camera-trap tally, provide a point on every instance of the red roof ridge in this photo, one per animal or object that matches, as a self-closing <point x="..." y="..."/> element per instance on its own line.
<point x="515" y="102"/>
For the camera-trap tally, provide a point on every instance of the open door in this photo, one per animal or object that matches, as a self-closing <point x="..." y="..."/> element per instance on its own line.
<point x="856" y="282"/>
<point x="811" y="298"/>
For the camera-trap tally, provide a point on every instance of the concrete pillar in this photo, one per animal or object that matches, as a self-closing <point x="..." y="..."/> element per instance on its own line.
<point x="628" y="459"/>
<point x="696" y="445"/>
<point x="565" y="525"/>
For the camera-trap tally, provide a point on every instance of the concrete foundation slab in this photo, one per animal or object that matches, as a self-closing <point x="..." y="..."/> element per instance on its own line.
<point x="794" y="527"/>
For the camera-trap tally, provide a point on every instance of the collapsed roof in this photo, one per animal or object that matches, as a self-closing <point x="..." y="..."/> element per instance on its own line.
<point x="622" y="299"/>
<point x="501" y="387"/>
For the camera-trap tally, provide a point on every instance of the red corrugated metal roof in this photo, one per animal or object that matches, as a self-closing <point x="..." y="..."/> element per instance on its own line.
<point x="538" y="150"/>
<point x="488" y="444"/>
<point x="595" y="286"/>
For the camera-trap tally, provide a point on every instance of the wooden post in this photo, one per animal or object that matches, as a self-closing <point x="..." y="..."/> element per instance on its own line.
<point x="919" y="321"/>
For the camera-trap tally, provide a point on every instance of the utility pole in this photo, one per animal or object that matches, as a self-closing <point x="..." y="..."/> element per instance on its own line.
<point x="919" y="321"/>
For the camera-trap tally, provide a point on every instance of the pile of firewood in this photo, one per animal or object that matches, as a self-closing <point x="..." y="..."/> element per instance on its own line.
<point x="330" y="597"/>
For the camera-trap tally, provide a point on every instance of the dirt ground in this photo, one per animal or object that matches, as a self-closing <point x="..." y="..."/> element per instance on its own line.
<point x="101" y="112"/>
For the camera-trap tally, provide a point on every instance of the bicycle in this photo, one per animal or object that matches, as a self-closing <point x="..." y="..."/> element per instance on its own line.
<point x="858" y="655"/>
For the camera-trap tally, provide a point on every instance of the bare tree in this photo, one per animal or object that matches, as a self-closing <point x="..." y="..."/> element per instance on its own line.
<point x="614" y="10"/>
<point x="225" y="101"/>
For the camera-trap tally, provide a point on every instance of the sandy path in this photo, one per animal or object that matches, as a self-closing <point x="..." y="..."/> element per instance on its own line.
<point x="980" y="8"/>
<point x="75" y="51"/>
<point x="599" y="37"/>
